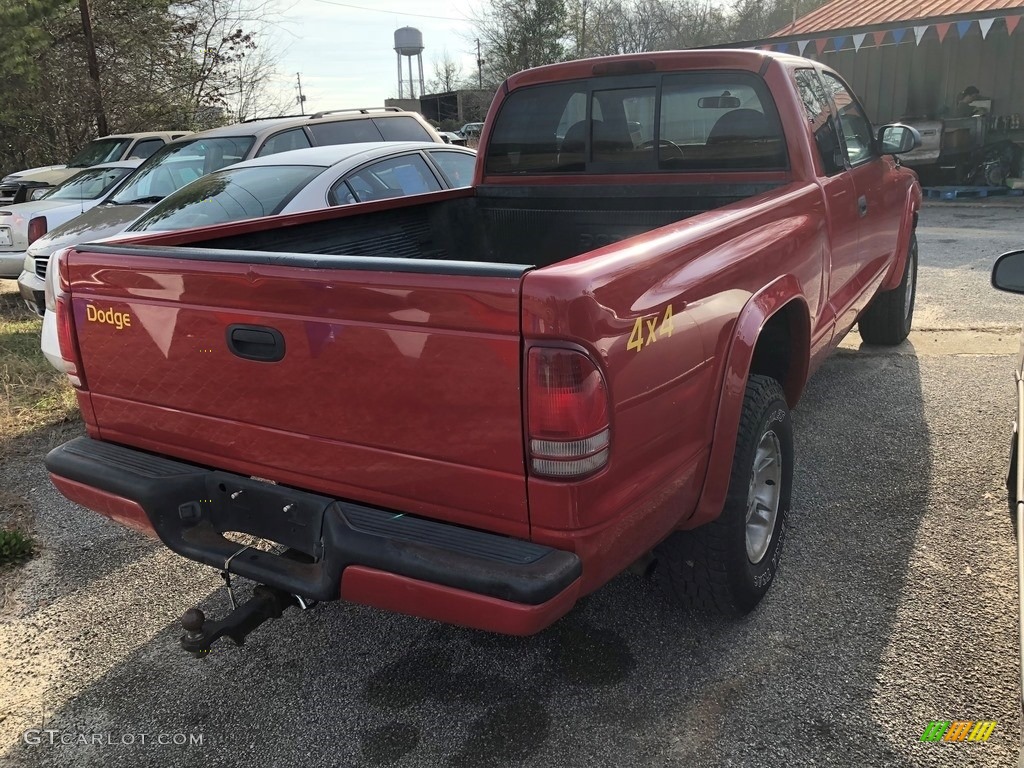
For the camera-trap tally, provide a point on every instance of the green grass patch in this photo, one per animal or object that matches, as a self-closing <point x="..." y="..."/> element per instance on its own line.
<point x="32" y="394"/>
<point x="15" y="547"/>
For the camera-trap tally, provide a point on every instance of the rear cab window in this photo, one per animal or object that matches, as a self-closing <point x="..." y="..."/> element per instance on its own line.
<point x="691" y="121"/>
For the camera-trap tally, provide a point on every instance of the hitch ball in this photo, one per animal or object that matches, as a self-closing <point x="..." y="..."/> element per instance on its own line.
<point x="193" y="620"/>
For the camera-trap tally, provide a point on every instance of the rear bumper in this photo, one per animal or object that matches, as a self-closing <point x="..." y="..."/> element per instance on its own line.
<point x="11" y="263"/>
<point x="335" y="548"/>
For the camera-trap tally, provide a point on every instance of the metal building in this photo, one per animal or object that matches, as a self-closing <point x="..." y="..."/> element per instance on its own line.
<point x="908" y="58"/>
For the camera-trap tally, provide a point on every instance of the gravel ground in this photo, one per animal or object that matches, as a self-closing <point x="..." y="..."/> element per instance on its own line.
<point x="895" y="606"/>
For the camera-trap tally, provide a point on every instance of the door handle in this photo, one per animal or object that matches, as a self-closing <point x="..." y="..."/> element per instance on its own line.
<point x="256" y="342"/>
<point x="862" y="205"/>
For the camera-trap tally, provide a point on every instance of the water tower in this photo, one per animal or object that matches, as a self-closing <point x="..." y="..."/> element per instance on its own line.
<point x="409" y="42"/>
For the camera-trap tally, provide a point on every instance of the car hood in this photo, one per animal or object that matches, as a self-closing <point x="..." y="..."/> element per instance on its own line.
<point x="48" y="174"/>
<point x="101" y="221"/>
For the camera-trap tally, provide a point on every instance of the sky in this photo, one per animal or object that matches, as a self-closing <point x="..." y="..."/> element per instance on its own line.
<point x="345" y="50"/>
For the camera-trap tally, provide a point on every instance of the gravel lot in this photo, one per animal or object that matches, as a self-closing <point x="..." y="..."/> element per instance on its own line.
<point x="895" y="606"/>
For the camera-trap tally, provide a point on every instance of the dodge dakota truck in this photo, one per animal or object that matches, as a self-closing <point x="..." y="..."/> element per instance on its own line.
<point x="479" y="405"/>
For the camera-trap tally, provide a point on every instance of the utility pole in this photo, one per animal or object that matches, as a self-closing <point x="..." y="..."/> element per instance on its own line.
<point x="583" y="33"/>
<point x="94" y="68"/>
<point x="301" y="99"/>
<point x="479" y="67"/>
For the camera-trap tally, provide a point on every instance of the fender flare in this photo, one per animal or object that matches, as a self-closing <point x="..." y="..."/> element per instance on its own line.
<point x="758" y="310"/>
<point x="909" y="225"/>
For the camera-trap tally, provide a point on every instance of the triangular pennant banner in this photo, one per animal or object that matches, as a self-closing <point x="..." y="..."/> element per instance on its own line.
<point x="878" y="37"/>
<point x="1011" y="23"/>
<point x="962" y="27"/>
<point x="858" y="41"/>
<point x="898" y="34"/>
<point x="941" y="30"/>
<point x="919" y="32"/>
<point x="820" y="44"/>
<point x="838" y="42"/>
<point x="986" y="25"/>
<point x="802" y="45"/>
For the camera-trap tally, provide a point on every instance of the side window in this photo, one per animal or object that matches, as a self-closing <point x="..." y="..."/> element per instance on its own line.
<point x="822" y="123"/>
<point x="145" y="148"/>
<point x="284" y="142"/>
<point x="401" y="129"/>
<point x="344" y="132"/>
<point x="394" y="177"/>
<point x="457" y="167"/>
<point x="854" y="126"/>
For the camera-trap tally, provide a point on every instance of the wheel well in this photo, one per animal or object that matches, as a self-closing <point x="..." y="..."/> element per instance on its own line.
<point x="782" y="349"/>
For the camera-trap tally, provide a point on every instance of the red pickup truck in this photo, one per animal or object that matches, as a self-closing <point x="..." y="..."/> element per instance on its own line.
<point x="479" y="405"/>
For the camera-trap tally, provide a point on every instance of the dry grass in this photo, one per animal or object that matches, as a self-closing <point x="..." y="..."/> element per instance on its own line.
<point x="32" y="394"/>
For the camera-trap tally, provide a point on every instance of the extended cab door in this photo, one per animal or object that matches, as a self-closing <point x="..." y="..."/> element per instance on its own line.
<point x="838" y="187"/>
<point x="879" y="214"/>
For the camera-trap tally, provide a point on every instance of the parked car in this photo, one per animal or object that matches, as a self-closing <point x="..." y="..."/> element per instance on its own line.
<point x="23" y="223"/>
<point x="196" y="155"/>
<point x="450" y="137"/>
<point x="478" y="405"/>
<point x="1008" y="275"/>
<point x="306" y="179"/>
<point x="32" y="183"/>
<point x="471" y="130"/>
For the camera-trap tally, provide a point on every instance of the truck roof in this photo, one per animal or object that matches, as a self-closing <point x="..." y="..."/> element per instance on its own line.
<point x="637" y="63"/>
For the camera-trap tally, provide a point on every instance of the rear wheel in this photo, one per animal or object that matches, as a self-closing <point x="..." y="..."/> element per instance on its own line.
<point x="729" y="564"/>
<point x="888" y="317"/>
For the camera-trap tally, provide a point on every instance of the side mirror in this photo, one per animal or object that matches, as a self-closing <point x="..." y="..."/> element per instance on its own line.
<point x="896" y="139"/>
<point x="1008" y="272"/>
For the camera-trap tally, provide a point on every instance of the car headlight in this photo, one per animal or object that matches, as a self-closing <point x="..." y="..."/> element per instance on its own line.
<point x="29" y="265"/>
<point x="39" y="192"/>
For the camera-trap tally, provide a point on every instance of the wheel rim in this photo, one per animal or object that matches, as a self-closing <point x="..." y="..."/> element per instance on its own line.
<point x="763" y="496"/>
<point x="908" y="301"/>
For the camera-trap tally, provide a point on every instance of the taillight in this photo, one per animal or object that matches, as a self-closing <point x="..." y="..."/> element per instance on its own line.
<point x="568" y="421"/>
<point x="66" y="322"/>
<point x="36" y="228"/>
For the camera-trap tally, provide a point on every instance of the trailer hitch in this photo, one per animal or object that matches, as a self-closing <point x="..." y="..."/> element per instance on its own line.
<point x="265" y="603"/>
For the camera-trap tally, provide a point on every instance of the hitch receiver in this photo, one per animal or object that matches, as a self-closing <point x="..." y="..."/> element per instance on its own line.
<point x="265" y="603"/>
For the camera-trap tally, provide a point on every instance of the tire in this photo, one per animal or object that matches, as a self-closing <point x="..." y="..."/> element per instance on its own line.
<point x="714" y="567"/>
<point x="888" y="317"/>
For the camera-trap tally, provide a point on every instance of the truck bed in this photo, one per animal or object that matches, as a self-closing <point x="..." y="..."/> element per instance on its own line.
<point x="536" y="226"/>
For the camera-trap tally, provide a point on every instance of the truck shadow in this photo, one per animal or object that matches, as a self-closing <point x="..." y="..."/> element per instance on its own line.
<point x="626" y="679"/>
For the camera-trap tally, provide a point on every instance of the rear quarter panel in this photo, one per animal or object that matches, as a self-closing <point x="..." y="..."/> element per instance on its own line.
<point x="664" y="386"/>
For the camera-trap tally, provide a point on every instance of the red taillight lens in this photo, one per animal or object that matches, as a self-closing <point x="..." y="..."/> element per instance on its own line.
<point x="36" y="228"/>
<point x="567" y="404"/>
<point x="66" y="325"/>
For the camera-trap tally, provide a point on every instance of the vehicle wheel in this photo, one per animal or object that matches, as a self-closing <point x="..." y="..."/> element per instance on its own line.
<point x="728" y="564"/>
<point x="888" y="317"/>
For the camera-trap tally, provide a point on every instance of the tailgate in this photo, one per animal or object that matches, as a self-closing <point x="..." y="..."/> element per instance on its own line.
<point x="379" y="380"/>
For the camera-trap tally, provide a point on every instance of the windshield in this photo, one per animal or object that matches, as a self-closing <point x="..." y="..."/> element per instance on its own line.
<point x="89" y="184"/>
<point x="100" y="151"/>
<point x="232" y="195"/>
<point x="175" y="165"/>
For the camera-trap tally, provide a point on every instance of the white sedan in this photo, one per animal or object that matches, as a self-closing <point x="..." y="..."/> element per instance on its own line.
<point x="23" y="223"/>
<point x="307" y="179"/>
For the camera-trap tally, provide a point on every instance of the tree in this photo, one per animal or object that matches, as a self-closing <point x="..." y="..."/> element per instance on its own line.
<point x="520" y="34"/>
<point x="447" y="74"/>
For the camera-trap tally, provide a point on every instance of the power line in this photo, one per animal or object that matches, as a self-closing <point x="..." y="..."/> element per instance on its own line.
<point x="392" y="13"/>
